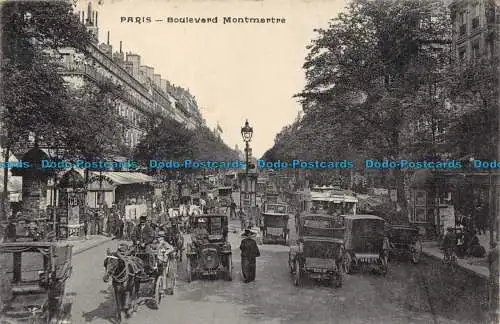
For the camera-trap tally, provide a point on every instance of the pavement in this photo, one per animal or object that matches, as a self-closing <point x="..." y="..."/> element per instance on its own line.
<point x="423" y="293"/>
<point x="93" y="241"/>
<point x="472" y="265"/>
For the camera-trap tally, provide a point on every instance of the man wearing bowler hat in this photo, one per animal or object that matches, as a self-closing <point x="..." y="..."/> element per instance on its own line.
<point x="249" y="253"/>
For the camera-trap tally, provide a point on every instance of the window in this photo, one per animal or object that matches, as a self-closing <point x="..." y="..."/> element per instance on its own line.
<point x="475" y="50"/>
<point x="462" y="23"/>
<point x="462" y="52"/>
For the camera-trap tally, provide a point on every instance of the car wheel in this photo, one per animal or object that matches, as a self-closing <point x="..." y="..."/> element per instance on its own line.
<point x="229" y="270"/>
<point x="347" y="263"/>
<point x="298" y="274"/>
<point x="189" y="273"/>
<point x="416" y="252"/>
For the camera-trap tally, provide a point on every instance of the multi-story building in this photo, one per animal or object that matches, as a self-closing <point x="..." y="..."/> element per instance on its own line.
<point x="145" y="93"/>
<point x="475" y="28"/>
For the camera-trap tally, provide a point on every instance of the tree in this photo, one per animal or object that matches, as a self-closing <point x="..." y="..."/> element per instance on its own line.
<point x="92" y="128"/>
<point x="372" y="69"/>
<point x="34" y="92"/>
<point x="169" y="140"/>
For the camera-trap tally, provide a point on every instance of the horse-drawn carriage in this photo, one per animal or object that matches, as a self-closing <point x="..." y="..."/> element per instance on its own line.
<point x="35" y="275"/>
<point x="141" y="273"/>
<point x="214" y="256"/>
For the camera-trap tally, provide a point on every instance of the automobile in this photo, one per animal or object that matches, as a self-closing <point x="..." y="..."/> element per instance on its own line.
<point x="365" y="243"/>
<point x="224" y="194"/>
<point x="214" y="256"/>
<point x="317" y="253"/>
<point x="36" y="273"/>
<point x="275" y="224"/>
<point x="405" y="240"/>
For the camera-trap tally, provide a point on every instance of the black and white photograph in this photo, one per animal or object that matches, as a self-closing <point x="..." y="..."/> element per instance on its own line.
<point x="249" y="161"/>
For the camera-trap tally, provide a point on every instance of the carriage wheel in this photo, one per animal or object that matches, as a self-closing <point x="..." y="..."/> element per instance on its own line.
<point x="170" y="277"/>
<point x="347" y="263"/>
<point x="290" y="264"/>
<point x="416" y="252"/>
<point x="158" y="293"/>
<point x="189" y="274"/>
<point x="297" y="279"/>
<point x="229" y="270"/>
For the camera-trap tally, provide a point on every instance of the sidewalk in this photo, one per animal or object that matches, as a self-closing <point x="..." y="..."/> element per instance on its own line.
<point x="84" y="245"/>
<point x="476" y="266"/>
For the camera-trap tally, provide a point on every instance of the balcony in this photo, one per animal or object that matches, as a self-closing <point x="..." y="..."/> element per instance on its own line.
<point x="462" y="30"/>
<point x="475" y="23"/>
<point x="93" y="73"/>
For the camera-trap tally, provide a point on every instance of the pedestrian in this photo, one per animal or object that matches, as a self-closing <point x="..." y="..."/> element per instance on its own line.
<point x="10" y="231"/>
<point x="494" y="290"/>
<point x="249" y="253"/>
<point x="242" y="215"/>
<point x="232" y="211"/>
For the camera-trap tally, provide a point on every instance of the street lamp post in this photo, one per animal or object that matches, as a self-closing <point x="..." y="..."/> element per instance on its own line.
<point x="246" y="133"/>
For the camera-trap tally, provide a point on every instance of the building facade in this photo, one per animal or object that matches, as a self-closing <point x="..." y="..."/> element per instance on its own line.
<point x="475" y="28"/>
<point x="145" y="93"/>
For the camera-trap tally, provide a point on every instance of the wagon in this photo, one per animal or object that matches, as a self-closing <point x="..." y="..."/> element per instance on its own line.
<point x="35" y="274"/>
<point x="404" y="240"/>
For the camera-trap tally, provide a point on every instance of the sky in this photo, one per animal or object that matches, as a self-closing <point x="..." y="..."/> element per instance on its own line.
<point x="235" y="71"/>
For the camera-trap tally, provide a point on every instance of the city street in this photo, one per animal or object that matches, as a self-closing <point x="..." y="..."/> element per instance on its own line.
<point x="409" y="294"/>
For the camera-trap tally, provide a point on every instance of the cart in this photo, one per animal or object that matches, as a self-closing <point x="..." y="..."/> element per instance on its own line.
<point x="35" y="274"/>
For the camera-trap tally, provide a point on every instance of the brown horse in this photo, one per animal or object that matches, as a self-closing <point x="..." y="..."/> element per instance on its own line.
<point x="125" y="272"/>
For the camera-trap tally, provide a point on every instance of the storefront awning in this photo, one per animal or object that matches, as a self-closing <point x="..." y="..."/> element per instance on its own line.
<point x="122" y="178"/>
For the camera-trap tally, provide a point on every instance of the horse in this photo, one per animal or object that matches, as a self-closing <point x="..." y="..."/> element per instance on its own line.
<point x="125" y="272"/>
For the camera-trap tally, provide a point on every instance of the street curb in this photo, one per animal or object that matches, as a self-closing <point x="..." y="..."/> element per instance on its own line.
<point x="480" y="275"/>
<point x="93" y="245"/>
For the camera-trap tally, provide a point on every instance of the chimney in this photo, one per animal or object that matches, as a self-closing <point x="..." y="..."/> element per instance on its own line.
<point x="121" y="47"/>
<point x="93" y="18"/>
<point x="89" y="12"/>
<point x="83" y="17"/>
<point x="96" y="18"/>
<point x="136" y="62"/>
<point x="157" y="79"/>
<point x="108" y="38"/>
<point x="150" y="72"/>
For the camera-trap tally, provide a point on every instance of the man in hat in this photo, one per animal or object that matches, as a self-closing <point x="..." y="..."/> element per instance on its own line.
<point x="143" y="236"/>
<point x="200" y="233"/>
<point x="10" y="231"/>
<point x="249" y="253"/>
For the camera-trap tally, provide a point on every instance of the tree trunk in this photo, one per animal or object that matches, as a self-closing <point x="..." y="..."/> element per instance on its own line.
<point x="398" y="173"/>
<point x="5" y="193"/>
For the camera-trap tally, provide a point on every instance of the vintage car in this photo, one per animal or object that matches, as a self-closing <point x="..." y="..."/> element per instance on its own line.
<point x="224" y="194"/>
<point x="404" y="239"/>
<point x="318" y="253"/>
<point x="212" y="257"/>
<point x="365" y="243"/>
<point x="275" y="224"/>
<point x="35" y="275"/>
